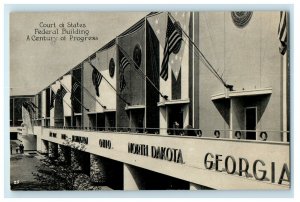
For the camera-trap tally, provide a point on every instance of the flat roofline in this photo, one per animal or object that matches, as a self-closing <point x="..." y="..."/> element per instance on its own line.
<point x="109" y="110"/>
<point x="94" y="112"/>
<point x="173" y="102"/>
<point x="241" y="93"/>
<point x="22" y="96"/>
<point x="130" y="107"/>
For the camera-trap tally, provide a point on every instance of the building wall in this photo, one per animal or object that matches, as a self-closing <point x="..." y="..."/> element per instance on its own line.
<point x="247" y="58"/>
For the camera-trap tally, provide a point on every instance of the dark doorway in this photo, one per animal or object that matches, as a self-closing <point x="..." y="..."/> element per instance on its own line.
<point x="175" y="115"/>
<point x="137" y="120"/>
<point x="100" y="121"/>
<point x="13" y="136"/>
<point x="110" y="121"/>
<point x="250" y="123"/>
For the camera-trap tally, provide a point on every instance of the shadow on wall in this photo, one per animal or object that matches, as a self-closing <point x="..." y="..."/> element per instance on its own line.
<point x="239" y="104"/>
<point x="223" y="107"/>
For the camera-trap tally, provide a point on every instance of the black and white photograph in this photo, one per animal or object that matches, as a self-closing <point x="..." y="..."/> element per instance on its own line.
<point x="162" y="100"/>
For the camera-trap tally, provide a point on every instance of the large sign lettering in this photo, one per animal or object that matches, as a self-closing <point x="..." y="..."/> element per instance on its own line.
<point x="79" y="139"/>
<point x="105" y="144"/>
<point x="241" y="167"/>
<point x="163" y="153"/>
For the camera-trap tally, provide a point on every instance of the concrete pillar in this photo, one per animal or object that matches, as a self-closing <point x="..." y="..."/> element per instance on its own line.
<point x="132" y="180"/>
<point x="64" y="154"/>
<point x="53" y="150"/>
<point x="163" y="120"/>
<point x="185" y="115"/>
<point x="44" y="147"/>
<point x="99" y="169"/>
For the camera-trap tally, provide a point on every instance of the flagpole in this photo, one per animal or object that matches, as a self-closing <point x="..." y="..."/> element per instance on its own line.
<point x="206" y="62"/>
<point x="74" y="96"/>
<point x="111" y="86"/>
<point x="143" y="74"/>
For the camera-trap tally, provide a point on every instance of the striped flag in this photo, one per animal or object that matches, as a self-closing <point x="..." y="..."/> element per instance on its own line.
<point x="74" y="88"/>
<point x="96" y="78"/>
<point x="282" y="32"/>
<point x="60" y="94"/>
<point x="123" y="64"/>
<point x="173" y="37"/>
<point x="29" y="106"/>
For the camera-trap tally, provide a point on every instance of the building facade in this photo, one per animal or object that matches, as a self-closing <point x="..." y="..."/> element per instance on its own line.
<point x="209" y="111"/>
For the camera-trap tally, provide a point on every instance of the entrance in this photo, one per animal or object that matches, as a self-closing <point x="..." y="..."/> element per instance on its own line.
<point x="250" y="121"/>
<point x="137" y="120"/>
<point x="175" y="118"/>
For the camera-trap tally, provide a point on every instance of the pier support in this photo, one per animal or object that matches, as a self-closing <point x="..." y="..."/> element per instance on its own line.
<point x="132" y="180"/>
<point x="44" y="147"/>
<point x="53" y="150"/>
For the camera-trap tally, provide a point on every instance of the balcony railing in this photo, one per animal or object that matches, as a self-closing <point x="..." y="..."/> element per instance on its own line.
<point x="259" y="135"/>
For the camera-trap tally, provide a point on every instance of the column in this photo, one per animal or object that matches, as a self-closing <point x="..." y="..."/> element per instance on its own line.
<point x="132" y="180"/>
<point x="44" y="147"/>
<point x="163" y="120"/>
<point x="53" y="150"/>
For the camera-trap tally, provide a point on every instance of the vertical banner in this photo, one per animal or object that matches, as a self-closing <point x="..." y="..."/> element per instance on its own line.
<point x="89" y="92"/>
<point x="133" y="46"/>
<point x="106" y="59"/>
<point x="178" y="23"/>
<point x="131" y="79"/>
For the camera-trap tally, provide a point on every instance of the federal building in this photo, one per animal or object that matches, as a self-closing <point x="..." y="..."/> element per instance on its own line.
<point x="179" y="100"/>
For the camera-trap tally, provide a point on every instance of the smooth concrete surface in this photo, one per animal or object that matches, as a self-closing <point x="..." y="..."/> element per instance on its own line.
<point x="193" y="151"/>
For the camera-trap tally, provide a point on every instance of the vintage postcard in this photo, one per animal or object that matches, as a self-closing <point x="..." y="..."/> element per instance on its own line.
<point x="166" y="100"/>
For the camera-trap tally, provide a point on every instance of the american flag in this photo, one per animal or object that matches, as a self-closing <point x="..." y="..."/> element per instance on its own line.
<point x="29" y="106"/>
<point x="282" y="32"/>
<point x="172" y="38"/>
<point x="123" y="64"/>
<point x="60" y="94"/>
<point x="74" y="88"/>
<point x="96" y="78"/>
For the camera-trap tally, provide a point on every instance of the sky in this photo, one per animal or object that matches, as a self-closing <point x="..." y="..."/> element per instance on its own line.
<point x="36" y="64"/>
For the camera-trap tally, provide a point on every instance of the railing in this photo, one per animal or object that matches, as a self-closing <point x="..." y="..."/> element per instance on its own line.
<point x="260" y="135"/>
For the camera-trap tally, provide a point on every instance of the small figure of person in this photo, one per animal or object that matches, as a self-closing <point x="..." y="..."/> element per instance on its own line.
<point x="11" y="149"/>
<point x="17" y="150"/>
<point x="176" y="126"/>
<point x="22" y="148"/>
